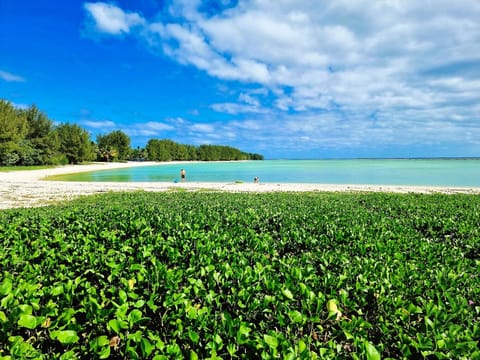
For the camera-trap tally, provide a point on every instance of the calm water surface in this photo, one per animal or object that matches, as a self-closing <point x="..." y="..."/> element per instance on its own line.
<point x="380" y="172"/>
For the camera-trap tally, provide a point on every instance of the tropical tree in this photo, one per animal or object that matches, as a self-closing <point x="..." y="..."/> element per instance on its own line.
<point x="208" y="153"/>
<point x="167" y="150"/>
<point x="139" y="154"/>
<point x="29" y="137"/>
<point x="40" y="137"/>
<point x="75" y="143"/>
<point x="13" y="128"/>
<point x="114" y="145"/>
<point x="161" y="150"/>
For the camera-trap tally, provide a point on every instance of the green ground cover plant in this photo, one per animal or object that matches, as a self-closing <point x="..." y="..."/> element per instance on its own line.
<point x="223" y="275"/>
<point x="21" y="168"/>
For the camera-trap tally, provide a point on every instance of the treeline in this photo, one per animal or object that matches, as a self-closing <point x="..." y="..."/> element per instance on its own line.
<point x="168" y="150"/>
<point x="29" y="137"/>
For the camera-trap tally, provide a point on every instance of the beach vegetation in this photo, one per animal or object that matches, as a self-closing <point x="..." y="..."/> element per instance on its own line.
<point x="138" y="154"/>
<point x="168" y="150"/>
<point x="75" y="143"/>
<point x="29" y="137"/>
<point x="24" y="168"/>
<point x="113" y="146"/>
<point x="242" y="276"/>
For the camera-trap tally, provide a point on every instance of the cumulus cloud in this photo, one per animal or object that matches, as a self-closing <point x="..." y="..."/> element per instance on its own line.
<point x="152" y="129"/>
<point x="99" y="124"/>
<point x="9" y="77"/>
<point x="171" y="127"/>
<point x="110" y="19"/>
<point x="202" y="128"/>
<point x="362" y="54"/>
<point x="246" y="103"/>
<point x="330" y="65"/>
<point x="158" y="126"/>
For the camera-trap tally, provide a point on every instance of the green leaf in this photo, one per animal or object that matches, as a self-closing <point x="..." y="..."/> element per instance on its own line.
<point x="6" y="286"/>
<point x="296" y="316"/>
<point x="100" y="341"/>
<point x="372" y="352"/>
<point x="3" y="317"/>
<point x="27" y="321"/>
<point x="20" y="349"/>
<point x="136" y="336"/>
<point x="193" y="335"/>
<point x="122" y="295"/>
<point x="147" y="347"/>
<point x="244" y="330"/>
<point x="139" y="303"/>
<point x="332" y="307"/>
<point x="429" y="322"/>
<point x="117" y="325"/>
<point x="272" y="341"/>
<point x="5" y="302"/>
<point x="65" y="336"/>
<point x="57" y="290"/>
<point x="25" y="309"/>
<point x="287" y="293"/>
<point x="121" y="312"/>
<point x="134" y="316"/>
<point x="218" y="339"/>
<point x="104" y="353"/>
<point x="69" y="355"/>
<point x="301" y="346"/>
<point x="136" y="267"/>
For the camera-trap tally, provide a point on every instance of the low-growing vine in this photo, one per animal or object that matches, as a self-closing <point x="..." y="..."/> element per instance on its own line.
<point x="222" y="275"/>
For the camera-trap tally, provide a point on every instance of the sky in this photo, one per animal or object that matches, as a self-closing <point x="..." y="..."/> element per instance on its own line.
<point x="294" y="79"/>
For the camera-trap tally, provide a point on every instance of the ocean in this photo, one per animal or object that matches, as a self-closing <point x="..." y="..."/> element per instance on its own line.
<point x="423" y="172"/>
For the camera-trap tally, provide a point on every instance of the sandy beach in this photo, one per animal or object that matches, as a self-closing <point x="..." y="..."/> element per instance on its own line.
<point x="28" y="188"/>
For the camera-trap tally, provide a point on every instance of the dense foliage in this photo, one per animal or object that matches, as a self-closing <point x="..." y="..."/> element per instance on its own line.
<point x="168" y="150"/>
<point x="75" y="143"/>
<point x="115" y="145"/>
<point x="222" y="275"/>
<point x="29" y="137"/>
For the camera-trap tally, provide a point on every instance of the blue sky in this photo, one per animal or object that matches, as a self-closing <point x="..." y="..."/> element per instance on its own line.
<point x="285" y="78"/>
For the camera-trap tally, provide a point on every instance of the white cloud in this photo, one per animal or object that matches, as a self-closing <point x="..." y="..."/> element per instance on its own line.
<point x="9" y="77"/>
<point x="329" y="65"/>
<point x="157" y="126"/>
<point x="152" y="129"/>
<point x="202" y="128"/>
<point x="247" y="103"/>
<point x="103" y="124"/>
<point x="110" y="19"/>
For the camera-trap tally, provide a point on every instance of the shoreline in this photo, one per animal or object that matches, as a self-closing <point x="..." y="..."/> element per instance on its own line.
<point x="28" y="188"/>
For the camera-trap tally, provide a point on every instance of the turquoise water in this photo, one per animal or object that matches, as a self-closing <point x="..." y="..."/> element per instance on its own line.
<point x="435" y="172"/>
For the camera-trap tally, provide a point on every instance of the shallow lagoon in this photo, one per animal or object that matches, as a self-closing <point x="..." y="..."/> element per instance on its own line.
<point x="428" y="172"/>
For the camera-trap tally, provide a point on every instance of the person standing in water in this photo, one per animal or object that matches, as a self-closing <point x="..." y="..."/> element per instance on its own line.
<point x="183" y="175"/>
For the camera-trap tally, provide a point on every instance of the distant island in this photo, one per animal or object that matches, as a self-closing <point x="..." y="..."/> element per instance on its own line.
<point x="28" y="137"/>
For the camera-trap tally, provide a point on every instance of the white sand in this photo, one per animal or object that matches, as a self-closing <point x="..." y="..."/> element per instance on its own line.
<point x="27" y="188"/>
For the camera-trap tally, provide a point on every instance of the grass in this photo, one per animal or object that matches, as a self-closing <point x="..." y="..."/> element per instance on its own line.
<point x="22" y="168"/>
